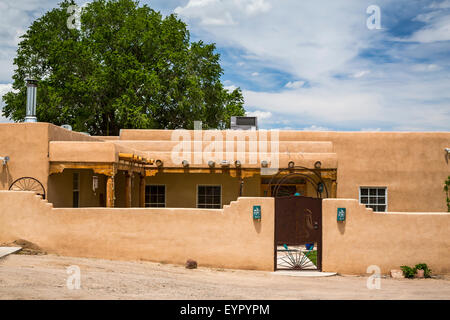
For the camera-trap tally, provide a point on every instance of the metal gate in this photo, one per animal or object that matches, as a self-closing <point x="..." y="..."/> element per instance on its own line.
<point x="298" y="233"/>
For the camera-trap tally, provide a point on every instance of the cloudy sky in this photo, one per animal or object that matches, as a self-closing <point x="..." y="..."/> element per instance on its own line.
<point x="309" y="65"/>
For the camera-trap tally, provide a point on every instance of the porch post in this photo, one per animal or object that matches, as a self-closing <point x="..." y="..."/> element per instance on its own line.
<point x="333" y="189"/>
<point x="127" y="189"/>
<point x="110" y="192"/>
<point x="142" y="191"/>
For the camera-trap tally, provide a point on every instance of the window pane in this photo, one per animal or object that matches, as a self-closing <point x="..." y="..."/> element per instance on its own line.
<point x="381" y="208"/>
<point x="76" y="198"/>
<point x="209" y="196"/>
<point x="364" y="191"/>
<point x="161" y="198"/>
<point x="373" y="192"/>
<point x="372" y="200"/>
<point x="364" y="200"/>
<point x="381" y="192"/>
<point x="381" y="200"/>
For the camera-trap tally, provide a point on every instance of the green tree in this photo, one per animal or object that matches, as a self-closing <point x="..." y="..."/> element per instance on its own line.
<point x="125" y="67"/>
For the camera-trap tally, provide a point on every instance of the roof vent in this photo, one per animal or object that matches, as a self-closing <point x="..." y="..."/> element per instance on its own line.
<point x="31" y="100"/>
<point x="244" y="123"/>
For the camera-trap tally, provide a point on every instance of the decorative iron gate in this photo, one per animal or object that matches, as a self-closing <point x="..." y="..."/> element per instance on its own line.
<point x="298" y="233"/>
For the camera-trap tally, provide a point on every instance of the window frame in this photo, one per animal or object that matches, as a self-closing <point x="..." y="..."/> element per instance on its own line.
<point x="369" y="196"/>
<point x="208" y="185"/>
<point x="149" y="203"/>
<point x="76" y="190"/>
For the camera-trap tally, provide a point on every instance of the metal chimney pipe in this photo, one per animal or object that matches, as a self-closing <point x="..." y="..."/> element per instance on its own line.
<point x="31" y="100"/>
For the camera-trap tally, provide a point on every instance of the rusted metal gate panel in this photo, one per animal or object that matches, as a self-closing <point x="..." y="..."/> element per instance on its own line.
<point x="298" y="221"/>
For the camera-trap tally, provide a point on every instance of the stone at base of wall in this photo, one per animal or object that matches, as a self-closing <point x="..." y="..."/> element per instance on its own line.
<point x="397" y="274"/>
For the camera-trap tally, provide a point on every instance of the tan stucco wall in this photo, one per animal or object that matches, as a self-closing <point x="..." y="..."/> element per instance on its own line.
<point x="388" y="240"/>
<point x="27" y="144"/>
<point x="227" y="238"/>
<point x="27" y="147"/>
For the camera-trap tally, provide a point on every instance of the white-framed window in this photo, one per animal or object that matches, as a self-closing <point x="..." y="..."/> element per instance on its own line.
<point x="76" y="190"/>
<point x="209" y="196"/>
<point x="374" y="197"/>
<point x="155" y="196"/>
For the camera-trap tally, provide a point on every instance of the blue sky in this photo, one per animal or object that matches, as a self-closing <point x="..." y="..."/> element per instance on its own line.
<point x="310" y="65"/>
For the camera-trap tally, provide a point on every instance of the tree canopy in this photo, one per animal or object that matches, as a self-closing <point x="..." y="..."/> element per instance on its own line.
<point x="126" y="66"/>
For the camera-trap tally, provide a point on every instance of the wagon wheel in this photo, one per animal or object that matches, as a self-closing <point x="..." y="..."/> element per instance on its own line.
<point x="28" y="184"/>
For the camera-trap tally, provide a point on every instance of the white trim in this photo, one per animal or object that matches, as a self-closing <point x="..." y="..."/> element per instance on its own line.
<point x="368" y="196"/>
<point x="208" y="185"/>
<point x="165" y="194"/>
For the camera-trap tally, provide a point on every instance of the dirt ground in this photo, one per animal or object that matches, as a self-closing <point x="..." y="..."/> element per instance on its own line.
<point x="45" y="277"/>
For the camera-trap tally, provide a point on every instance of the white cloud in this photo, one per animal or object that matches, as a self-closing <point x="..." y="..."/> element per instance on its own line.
<point x="361" y="73"/>
<point x="208" y="12"/>
<point x="321" y="44"/>
<point x="371" y="129"/>
<point x="295" y="84"/>
<point x="230" y="87"/>
<point x="441" y="5"/>
<point x="257" y="6"/>
<point x="17" y="16"/>
<point x="426" y="67"/>
<point x="315" y="128"/>
<point x="298" y="37"/>
<point x="220" y="13"/>
<point x="262" y="115"/>
<point x="4" y="88"/>
<point x="437" y="26"/>
<point x="255" y="74"/>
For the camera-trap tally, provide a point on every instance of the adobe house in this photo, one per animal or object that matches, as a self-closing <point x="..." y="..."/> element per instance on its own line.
<point x="229" y="199"/>
<point x="387" y="171"/>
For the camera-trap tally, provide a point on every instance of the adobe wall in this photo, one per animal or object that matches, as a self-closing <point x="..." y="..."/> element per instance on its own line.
<point x="226" y="238"/>
<point x="27" y="144"/>
<point x="388" y="240"/>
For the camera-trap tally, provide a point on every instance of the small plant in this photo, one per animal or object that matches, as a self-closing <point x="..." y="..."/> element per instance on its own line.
<point x="424" y="267"/>
<point x="408" y="272"/>
<point x="446" y="189"/>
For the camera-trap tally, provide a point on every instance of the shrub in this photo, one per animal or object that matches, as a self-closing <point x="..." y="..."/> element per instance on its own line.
<point x="408" y="272"/>
<point x="424" y="267"/>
